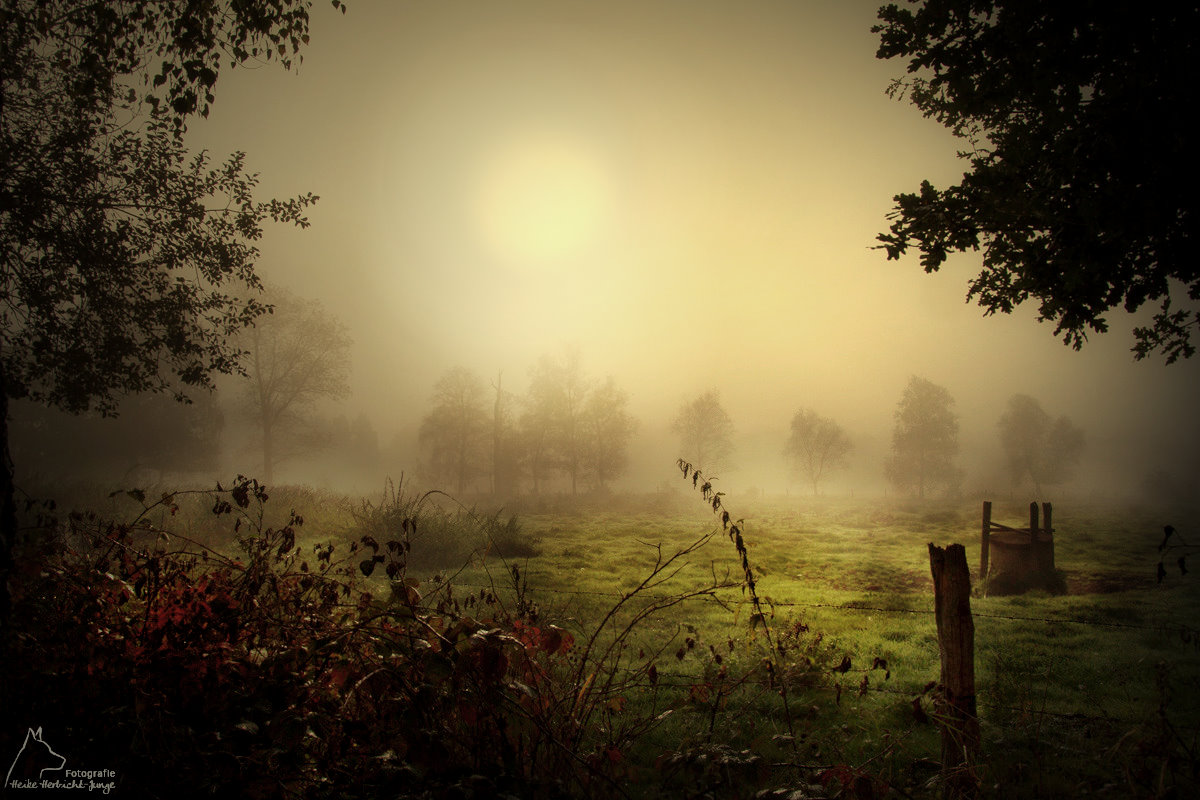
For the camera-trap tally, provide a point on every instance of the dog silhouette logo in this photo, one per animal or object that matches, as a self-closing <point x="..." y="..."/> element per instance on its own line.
<point x="34" y="759"/>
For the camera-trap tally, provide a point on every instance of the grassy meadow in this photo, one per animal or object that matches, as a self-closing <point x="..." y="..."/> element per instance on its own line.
<point x="1070" y="687"/>
<point x="1091" y="693"/>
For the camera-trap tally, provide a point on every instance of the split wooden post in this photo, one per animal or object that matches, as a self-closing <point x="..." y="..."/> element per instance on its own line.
<point x="984" y="539"/>
<point x="956" y="642"/>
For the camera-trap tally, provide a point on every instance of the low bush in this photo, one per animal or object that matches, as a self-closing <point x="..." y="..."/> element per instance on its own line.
<point x="441" y="532"/>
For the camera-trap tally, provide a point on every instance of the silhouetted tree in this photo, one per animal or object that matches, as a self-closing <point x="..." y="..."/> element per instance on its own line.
<point x="816" y="445"/>
<point x="924" y="439"/>
<point x="115" y="243"/>
<point x="299" y="355"/>
<point x="1036" y="447"/>
<point x="1079" y="195"/>
<point x="705" y="433"/>
<point x="607" y="430"/>
<point x="454" y="435"/>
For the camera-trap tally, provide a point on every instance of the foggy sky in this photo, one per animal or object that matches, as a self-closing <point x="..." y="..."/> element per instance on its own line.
<point x="687" y="191"/>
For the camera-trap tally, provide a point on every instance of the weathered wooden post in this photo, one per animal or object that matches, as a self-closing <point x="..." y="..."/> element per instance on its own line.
<point x="956" y="641"/>
<point x="1046" y="553"/>
<point x="985" y="535"/>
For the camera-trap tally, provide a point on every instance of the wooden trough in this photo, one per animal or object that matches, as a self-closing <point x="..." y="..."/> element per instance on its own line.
<point x="1015" y="560"/>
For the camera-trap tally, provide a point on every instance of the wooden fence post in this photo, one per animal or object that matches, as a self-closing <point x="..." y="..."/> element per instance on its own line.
<point x="956" y="641"/>
<point x="1046" y="563"/>
<point x="983" y="540"/>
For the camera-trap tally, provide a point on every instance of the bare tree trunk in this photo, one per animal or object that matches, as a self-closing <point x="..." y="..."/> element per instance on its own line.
<point x="8" y="508"/>
<point x="8" y="512"/>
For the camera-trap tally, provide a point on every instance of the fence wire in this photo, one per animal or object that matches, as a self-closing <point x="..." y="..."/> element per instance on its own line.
<point x="1167" y="627"/>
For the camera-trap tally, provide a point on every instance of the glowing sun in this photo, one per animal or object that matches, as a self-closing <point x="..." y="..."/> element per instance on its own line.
<point x="543" y="199"/>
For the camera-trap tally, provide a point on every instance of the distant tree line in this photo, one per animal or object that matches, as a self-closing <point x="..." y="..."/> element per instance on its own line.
<point x="568" y="430"/>
<point x="1038" y="451"/>
<point x="567" y="426"/>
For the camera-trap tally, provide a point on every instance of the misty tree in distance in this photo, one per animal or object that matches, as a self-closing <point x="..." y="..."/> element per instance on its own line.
<point x="924" y="440"/>
<point x="1037" y="447"/>
<point x="569" y="436"/>
<point x="1080" y="191"/>
<point x="116" y="241"/>
<point x="705" y="433"/>
<point x="454" y="435"/>
<point x="554" y="422"/>
<point x="608" y="428"/>
<point x="299" y="355"/>
<point x="571" y="426"/>
<point x="816" y="446"/>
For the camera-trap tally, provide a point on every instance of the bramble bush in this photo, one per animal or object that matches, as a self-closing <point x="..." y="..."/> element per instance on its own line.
<point x="274" y="671"/>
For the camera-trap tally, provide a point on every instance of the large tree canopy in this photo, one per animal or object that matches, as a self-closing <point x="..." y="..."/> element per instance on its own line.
<point x="115" y="241"/>
<point x="118" y="247"/>
<point x="1080" y="192"/>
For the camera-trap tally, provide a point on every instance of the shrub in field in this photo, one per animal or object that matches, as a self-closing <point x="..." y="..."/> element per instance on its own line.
<point x="440" y="538"/>
<point x="270" y="674"/>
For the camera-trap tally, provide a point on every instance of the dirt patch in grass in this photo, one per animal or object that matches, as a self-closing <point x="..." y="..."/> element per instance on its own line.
<point x="1105" y="583"/>
<point x="882" y="578"/>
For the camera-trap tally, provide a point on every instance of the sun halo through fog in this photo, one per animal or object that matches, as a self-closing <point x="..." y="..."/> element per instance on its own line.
<point x="542" y="199"/>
